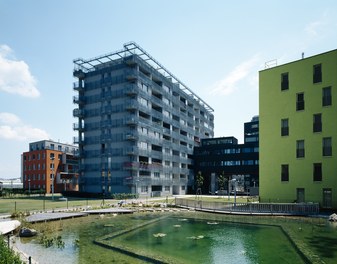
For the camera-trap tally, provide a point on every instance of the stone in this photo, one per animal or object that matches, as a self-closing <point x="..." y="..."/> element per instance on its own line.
<point x="333" y="218"/>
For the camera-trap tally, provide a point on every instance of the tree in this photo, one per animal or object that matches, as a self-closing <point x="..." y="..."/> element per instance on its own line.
<point x="222" y="180"/>
<point x="200" y="182"/>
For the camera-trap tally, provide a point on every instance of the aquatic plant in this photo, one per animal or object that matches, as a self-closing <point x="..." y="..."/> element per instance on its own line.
<point x="159" y="235"/>
<point x="195" y="237"/>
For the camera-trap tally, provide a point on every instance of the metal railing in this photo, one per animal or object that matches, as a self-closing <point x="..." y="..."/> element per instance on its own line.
<point x="250" y="208"/>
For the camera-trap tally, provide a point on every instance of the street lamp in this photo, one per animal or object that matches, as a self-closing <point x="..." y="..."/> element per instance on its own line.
<point x="29" y="185"/>
<point x="103" y="182"/>
<point x="234" y="180"/>
<point x="136" y="191"/>
<point x="109" y="182"/>
<point x="52" y="177"/>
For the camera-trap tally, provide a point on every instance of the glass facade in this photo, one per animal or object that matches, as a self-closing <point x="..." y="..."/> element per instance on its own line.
<point x="137" y="125"/>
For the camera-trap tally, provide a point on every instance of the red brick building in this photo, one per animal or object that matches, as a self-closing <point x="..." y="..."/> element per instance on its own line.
<point x="50" y="165"/>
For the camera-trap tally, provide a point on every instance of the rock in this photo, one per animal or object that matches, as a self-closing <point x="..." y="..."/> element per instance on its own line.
<point x="27" y="232"/>
<point x="333" y="218"/>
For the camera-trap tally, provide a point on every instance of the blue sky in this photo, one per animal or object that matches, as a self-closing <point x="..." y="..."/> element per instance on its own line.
<point x="215" y="47"/>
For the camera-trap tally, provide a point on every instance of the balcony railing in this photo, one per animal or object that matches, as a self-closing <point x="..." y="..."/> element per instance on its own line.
<point x="78" y="113"/>
<point x="251" y="208"/>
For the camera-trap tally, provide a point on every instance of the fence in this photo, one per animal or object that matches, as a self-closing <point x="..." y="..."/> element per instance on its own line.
<point x="250" y="208"/>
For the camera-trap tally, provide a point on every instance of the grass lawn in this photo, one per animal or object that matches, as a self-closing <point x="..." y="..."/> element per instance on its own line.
<point x="41" y="203"/>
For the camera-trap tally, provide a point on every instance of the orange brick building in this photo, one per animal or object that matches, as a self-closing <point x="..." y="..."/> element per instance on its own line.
<point x="50" y="166"/>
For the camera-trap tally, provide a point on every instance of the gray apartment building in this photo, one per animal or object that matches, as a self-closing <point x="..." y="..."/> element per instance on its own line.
<point x="137" y="125"/>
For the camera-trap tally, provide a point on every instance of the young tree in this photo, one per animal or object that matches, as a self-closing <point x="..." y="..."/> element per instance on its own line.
<point x="200" y="182"/>
<point x="222" y="180"/>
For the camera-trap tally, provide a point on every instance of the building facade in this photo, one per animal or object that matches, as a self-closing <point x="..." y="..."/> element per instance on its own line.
<point x="137" y="125"/>
<point x="50" y="166"/>
<point x="238" y="163"/>
<point x="298" y="131"/>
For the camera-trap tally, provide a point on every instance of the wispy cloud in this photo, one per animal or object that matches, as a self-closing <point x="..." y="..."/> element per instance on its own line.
<point x="15" y="76"/>
<point x="243" y="71"/>
<point x="12" y="128"/>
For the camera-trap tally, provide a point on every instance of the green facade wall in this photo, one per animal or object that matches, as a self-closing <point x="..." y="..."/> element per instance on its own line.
<point x="274" y="105"/>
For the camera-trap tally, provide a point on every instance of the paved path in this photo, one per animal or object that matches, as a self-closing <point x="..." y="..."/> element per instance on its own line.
<point x="110" y="211"/>
<point x="41" y="217"/>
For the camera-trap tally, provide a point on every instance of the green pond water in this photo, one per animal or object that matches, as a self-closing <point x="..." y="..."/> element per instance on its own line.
<point x="184" y="238"/>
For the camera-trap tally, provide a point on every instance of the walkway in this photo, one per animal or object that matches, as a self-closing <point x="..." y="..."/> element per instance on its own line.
<point x="51" y="216"/>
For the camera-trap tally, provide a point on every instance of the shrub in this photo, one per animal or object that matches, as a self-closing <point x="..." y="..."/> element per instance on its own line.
<point x="7" y="255"/>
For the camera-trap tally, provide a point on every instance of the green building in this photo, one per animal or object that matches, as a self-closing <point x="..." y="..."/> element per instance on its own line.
<point x="298" y="131"/>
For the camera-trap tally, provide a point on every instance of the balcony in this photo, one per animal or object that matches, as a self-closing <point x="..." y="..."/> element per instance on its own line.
<point x="77" y="140"/>
<point x="79" y="73"/>
<point x="78" y="100"/>
<point x="78" y="87"/>
<point x="130" y="75"/>
<point x="78" y="113"/>
<point x="77" y="126"/>
<point x="131" y="137"/>
<point x="131" y="91"/>
<point x="131" y="107"/>
<point x="131" y="151"/>
<point x="131" y="122"/>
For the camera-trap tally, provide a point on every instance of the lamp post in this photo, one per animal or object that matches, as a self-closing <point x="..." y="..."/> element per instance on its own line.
<point x="109" y="182"/>
<point x="234" y="180"/>
<point x="103" y="182"/>
<point x="136" y="191"/>
<point x="52" y="177"/>
<point x="29" y="185"/>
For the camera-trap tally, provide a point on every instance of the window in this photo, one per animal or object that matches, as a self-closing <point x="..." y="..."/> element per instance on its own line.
<point x="167" y="188"/>
<point x="284" y="172"/>
<point x="327" y="147"/>
<point x="299" y="101"/>
<point x="317" y="77"/>
<point x="285" y="127"/>
<point x="317" y="172"/>
<point x="284" y="81"/>
<point x="300" y="149"/>
<point x="156" y="174"/>
<point x="144" y="189"/>
<point x="317" y="123"/>
<point x="326" y="96"/>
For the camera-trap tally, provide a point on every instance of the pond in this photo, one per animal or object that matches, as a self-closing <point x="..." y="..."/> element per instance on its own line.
<point x="190" y="237"/>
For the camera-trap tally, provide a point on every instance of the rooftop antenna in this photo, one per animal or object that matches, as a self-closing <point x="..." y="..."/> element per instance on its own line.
<point x="302" y="55"/>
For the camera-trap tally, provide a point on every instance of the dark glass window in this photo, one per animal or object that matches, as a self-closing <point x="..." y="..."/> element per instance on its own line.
<point x="317" y="123"/>
<point x="285" y="127"/>
<point x="284" y="172"/>
<point x="317" y="77"/>
<point x="327" y="147"/>
<point x="300" y="149"/>
<point x="284" y="81"/>
<point x="299" y="101"/>
<point x="326" y="96"/>
<point x="317" y="172"/>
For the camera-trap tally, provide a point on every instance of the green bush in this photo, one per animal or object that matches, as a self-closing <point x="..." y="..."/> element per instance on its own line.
<point x="7" y="255"/>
